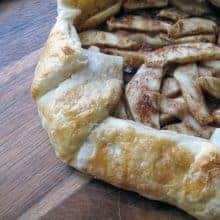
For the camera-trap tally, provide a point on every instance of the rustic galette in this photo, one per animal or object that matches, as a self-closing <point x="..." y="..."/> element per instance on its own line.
<point x="129" y="92"/>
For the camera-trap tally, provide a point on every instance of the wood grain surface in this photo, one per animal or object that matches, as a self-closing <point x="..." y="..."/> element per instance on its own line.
<point x="34" y="184"/>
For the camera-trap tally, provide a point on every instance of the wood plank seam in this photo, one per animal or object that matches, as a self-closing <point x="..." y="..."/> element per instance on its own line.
<point x="56" y="196"/>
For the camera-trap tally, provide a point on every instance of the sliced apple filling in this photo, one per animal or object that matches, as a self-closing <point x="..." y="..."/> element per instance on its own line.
<point x="171" y="62"/>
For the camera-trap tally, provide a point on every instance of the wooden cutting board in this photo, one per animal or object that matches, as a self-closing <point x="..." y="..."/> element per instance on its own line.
<point x="33" y="182"/>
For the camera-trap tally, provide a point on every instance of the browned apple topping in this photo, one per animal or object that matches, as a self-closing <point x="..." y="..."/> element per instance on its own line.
<point x="206" y="38"/>
<point x="205" y="71"/>
<point x="210" y="84"/>
<point x="175" y="107"/>
<point x="192" y="26"/>
<point x="182" y="53"/>
<point x="195" y="7"/>
<point x="137" y="4"/>
<point x="107" y="39"/>
<point x="132" y="59"/>
<point x="186" y="75"/>
<point x="216" y="115"/>
<point x="170" y="87"/>
<point x="173" y="14"/>
<point x="171" y="53"/>
<point x="138" y="23"/>
<point x="214" y="66"/>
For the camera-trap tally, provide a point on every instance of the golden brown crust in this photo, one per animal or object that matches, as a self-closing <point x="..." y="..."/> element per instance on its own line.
<point x="179" y="169"/>
<point x="71" y="111"/>
<point x="60" y="58"/>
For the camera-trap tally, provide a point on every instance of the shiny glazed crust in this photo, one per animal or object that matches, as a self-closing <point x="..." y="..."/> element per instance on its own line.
<point x="77" y="91"/>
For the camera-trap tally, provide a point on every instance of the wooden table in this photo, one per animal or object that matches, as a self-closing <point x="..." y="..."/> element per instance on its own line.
<point x="33" y="182"/>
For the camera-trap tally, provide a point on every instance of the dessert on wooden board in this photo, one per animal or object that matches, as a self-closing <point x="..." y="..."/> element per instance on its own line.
<point x="129" y="92"/>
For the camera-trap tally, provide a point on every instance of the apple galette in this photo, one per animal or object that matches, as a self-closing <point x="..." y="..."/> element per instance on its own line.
<point x="129" y="92"/>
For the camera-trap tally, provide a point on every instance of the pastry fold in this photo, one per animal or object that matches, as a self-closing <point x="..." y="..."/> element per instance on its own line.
<point x="160" y="165"/>
<point x="77" y="105"/>
<point x="61" y="56"/>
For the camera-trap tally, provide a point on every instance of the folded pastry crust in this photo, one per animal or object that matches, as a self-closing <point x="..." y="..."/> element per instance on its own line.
<point x="71" y="111"/>
<point x="161" y="165"/>
<point x="61" y="56"/>
<point x="78" y="90"/>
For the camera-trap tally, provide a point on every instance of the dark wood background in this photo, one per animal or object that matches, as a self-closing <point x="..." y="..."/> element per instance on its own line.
<point x="33" y="183"/>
